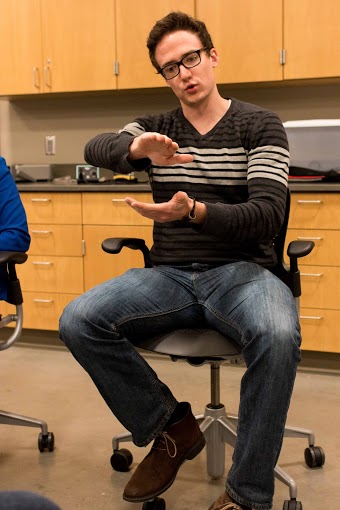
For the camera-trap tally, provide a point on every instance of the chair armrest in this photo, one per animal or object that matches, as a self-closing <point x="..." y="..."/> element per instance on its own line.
<point x="16" y="257"/>
<point x="8" y="259"/>
<point x="297" y="249"/>
<point x="114" y="245"/>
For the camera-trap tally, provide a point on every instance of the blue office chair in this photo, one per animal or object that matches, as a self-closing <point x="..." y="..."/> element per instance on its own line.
<point x="8" y="260"/>
<point x="203" y="346"/>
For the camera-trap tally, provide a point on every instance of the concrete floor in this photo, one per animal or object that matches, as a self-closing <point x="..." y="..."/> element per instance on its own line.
<point x="46" y="382"/>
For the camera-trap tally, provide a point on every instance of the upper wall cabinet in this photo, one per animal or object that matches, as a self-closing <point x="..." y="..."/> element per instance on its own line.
<point x="20" y="48"/>
<point x="312" y="39"/>
<point x="57" y="46"/>
<point x="78" y="45"/>
<point x="247" y="35"/>
<point x="134" y="22"/>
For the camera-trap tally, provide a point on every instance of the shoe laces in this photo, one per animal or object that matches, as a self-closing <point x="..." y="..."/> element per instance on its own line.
<point x="168" y="442"/>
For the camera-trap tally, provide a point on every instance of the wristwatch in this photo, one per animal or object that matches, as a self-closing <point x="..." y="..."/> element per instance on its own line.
<point x="192" y="214"/>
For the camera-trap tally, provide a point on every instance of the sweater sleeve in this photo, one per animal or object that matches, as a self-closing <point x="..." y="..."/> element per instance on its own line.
<point x="111" y="150"/>
<point x="14" y="234"/>
<point x="261" y="216"/>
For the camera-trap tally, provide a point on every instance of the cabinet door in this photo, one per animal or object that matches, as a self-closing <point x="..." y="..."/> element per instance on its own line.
<point x="78" y="45"/>
<point x="311" y="38"/>
<point x="247" y="35"/>
<point x="134" y="22"/>
<point x="20" y="48"/>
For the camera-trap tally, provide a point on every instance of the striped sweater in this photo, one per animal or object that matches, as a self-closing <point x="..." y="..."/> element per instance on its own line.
<point x="240" y="171"/>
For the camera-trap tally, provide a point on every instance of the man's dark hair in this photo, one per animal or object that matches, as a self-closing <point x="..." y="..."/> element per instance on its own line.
<point x="171" y="23"/>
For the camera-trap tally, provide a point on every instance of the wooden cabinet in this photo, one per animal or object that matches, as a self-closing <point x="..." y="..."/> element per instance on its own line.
<point x="65" y="257"/>
<point x="107" y="215"/>
<point x="57" y="46"/>
<point x="134" y="22"/>
<point x="311" y="39"/>
<point x="53" y="274"/>
<point x="248" y="37"/>
<point x="314" y="217"/>
<point x="78" y="41"/>
<point x="20" y="48"/>
<point x="62" y="46"/>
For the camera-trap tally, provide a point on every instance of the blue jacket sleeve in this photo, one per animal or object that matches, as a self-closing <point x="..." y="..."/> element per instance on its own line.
<point x="14" y="234"/>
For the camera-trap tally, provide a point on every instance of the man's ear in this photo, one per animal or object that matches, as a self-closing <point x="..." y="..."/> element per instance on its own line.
<point x="214" y="57"/>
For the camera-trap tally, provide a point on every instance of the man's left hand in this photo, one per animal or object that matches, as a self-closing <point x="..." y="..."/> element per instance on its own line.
<point x="176" y="209"/>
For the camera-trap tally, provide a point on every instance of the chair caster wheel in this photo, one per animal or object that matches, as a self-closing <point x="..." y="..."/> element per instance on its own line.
<point x="121" y="460"/>
<point x="292" y="504"/>
<point x="46" y="442"/>
<point x="156" y="504"/>
<point x="314" y="456"/>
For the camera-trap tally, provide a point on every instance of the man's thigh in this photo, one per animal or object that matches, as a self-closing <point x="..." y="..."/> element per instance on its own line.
<point x="143" y="302"/>
<point x="242" y="297"/>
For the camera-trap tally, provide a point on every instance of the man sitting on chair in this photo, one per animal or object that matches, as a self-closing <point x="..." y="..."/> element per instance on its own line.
<point x="218" y="169"/>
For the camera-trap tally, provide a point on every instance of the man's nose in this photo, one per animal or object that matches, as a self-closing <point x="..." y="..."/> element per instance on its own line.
<point x="184" y="71"/>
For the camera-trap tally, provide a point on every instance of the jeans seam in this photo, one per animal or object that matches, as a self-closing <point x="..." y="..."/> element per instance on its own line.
<point x="149" y="316"/>
<point x="225" y="321"/>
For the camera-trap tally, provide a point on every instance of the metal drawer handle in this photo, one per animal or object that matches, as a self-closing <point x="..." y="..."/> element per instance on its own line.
<point x="36" y="80"/>
<point x="42" y="263"/>
<point x="41" y="232"/>
<point x="316" y="275"/>
<point x="40" y="199"/>
<point x="118" y="200"/>
<point x="310" y="238"/>
<point x="43" y="300"/>
<point x="311" y="317"/>
<point x="310" y="201"/>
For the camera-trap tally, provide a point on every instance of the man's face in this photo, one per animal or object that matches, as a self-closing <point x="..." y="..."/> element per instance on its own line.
<point x="191" y="86"/>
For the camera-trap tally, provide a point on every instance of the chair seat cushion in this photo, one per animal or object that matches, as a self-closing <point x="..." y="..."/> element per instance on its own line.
<point x="193" y="343"/>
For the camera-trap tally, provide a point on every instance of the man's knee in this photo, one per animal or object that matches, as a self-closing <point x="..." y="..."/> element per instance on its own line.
<point x="71" y="322"/>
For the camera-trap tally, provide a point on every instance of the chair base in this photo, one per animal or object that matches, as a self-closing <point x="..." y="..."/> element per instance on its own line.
<point x="45" y="438"/>
<point x="7" y="418"/>
<point x="220" y="428"/>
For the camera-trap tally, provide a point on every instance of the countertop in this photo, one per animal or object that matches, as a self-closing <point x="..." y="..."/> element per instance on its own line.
<point x="315" y="187"/>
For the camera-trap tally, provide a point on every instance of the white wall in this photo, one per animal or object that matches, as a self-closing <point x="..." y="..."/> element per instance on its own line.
<point x="74" y="119"/>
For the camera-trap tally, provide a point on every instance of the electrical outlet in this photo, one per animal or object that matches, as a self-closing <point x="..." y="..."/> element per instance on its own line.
<point x="50" y="142"/>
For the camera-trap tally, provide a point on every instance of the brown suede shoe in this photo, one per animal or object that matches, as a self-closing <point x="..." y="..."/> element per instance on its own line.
<point x="181" y="441"/>
<point x="225" y="502"/>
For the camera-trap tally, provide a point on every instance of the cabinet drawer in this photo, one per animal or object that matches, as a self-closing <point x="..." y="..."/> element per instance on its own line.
<point x="111" y="209"/>
<point x="56" y="240"/>
<point x="320" y="330"/>
<point x="327" y="245"/>
<point x="314" y="210"/>
<point x="52" y="274"/>
<point x="320" y="287"/>
<point x="100" y="266"/>
<point x="43" y="310"/>
<point x="62" y="208"/>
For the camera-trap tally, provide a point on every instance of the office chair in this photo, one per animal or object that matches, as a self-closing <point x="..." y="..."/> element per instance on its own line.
<point x="203" y="346"/>
<point x="8" y="260"/>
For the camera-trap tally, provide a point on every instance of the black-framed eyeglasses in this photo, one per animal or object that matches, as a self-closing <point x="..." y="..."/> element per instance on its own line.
<point x="190" y="60"/>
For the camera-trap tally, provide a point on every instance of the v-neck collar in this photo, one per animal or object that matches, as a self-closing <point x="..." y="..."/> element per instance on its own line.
<point x="210" y="132"/>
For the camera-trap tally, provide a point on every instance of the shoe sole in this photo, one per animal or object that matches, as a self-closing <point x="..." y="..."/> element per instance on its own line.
<point x="195" y="450"/>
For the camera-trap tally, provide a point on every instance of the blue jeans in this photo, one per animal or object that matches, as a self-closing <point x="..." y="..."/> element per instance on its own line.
<point x="243" y="300"/>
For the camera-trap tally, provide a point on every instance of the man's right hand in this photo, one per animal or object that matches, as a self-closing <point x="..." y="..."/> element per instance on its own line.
<point x="159" y="148"/>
